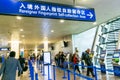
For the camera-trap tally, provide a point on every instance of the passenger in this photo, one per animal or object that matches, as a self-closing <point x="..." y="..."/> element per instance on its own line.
<point x="59" y="60"/>
<point x="62" y="59"/>
<point x="9" y="67"/>
<point x="56" y="59"/>
<point x="76" y="62"/>
<point x="70" y="59"/>
<point x="22" y="63"/>
<point x="25" y="67"/>
<point x="88" y="62"/>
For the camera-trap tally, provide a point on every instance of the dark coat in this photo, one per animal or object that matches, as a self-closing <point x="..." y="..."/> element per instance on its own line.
<point x="9" y="68"/>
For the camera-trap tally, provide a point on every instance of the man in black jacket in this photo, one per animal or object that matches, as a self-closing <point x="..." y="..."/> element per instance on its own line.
<point x="22" y="62"/>
<point x="88" y="61"/>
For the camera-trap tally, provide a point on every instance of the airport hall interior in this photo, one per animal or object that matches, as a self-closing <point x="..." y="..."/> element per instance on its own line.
<point x="59" y="39"/>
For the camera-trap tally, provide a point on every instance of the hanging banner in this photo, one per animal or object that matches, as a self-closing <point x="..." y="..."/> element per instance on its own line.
<point x="46" y="10"/>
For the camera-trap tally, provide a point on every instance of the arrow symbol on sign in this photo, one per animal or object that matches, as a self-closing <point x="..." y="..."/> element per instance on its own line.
<point x="90" y="14"/>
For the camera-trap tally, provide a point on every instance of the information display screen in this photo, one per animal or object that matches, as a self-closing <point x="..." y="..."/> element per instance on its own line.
<point x="116" y="54"/>
<point x="47" y="57"/>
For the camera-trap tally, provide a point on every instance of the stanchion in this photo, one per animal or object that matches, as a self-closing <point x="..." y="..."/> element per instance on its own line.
<point x="32" y="73"/>
<point x="36" y="76"/>
<point x="54" y="72"/>
<point x="68" y="74"/>
<point x="74" y="72"/>
<point x="49" y="72"/>
<point x="43" y="70"/>
<point x="64" y="77"/>
<point x="94" y="68"/>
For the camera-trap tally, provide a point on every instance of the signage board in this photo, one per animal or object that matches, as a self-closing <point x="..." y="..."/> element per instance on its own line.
<point x="46" y="10"/>
<point x="47" y="57"/>
<point x="4" y="49"/>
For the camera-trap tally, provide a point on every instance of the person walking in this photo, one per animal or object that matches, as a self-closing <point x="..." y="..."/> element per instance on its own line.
<point x="88" y="61"/>
<point x="9" y="67"/>
<point x="76" y="62"/>
<point x="22" y="63"/>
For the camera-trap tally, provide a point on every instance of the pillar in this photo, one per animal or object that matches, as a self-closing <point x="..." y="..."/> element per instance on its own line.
<point x="46" y="45"/>
<point x="15" y="43"/>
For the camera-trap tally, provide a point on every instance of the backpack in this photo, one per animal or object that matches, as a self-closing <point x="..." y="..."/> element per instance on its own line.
<point x="25" y="68"/>
<point x="83" y="56"/>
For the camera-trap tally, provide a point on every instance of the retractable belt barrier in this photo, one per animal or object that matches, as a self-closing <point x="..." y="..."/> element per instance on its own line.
<point x="41" y="68"/>
<point x="33" y="74"/>
<point x="67" y="77"/>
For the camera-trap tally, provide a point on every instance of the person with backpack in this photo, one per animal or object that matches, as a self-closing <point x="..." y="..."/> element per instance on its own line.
<point x="88" y="61"/>
<point x="9" y="67"/>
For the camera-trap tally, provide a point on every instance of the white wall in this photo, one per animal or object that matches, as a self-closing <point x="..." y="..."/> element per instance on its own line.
<point x="83" y="40"/>
<point x="58" y="46"/>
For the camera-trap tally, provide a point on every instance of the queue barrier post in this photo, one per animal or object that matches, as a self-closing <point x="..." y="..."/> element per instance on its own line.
<point x="49" y="72"/>
<point x="64" y="76"/>
<point x="54" y="72"/>
<point x="68" y="74"/>
<point x="36" y="76"/>
<point x="41" y="67"/>
<point x="74" y="72"/>
<point x="95" y="73"/>
<point x="32" y="73"/>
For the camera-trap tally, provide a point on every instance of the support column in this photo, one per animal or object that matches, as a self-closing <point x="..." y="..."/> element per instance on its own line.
<point x="15" y="43"/>
<point x="36" y="50"/>
<point x="46" y="45"/>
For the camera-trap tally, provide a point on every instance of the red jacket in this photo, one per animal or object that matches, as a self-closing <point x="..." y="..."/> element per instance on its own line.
<point x="75" y="60"/>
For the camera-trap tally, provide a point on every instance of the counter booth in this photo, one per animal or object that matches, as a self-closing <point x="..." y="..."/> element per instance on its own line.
<point x="116" y="62"/>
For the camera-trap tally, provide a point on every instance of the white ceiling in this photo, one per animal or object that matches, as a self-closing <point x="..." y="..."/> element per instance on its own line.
<point x="35" y="29"/>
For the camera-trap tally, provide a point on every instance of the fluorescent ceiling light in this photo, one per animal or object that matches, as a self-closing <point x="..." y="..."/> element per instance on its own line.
<point x="52" y="30"/>
<point x="94" y="23"/>
<point x="21" y="29"/>
<point x="23" y="36"/>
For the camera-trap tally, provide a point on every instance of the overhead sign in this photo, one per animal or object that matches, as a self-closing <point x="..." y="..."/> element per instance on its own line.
<point x="46" y="10"/>
<point x="4" y="49"/>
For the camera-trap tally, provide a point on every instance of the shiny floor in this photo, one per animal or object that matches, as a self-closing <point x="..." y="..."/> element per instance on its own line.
<point x="60" y="75"/>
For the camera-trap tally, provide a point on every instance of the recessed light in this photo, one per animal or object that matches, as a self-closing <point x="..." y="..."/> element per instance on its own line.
<point x="45" y="37"/>
<point x="22" y="36"/>
<point x="84" y="0"/>
<point x="19" y="18"/>
<point x="21" y="29"/>
<point x="94" y="23"/>
<point x="62" y="21"/>
<point x="52" y="30"/>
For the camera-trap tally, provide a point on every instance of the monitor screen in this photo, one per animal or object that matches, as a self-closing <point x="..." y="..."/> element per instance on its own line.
<point x="116" y="55"/>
